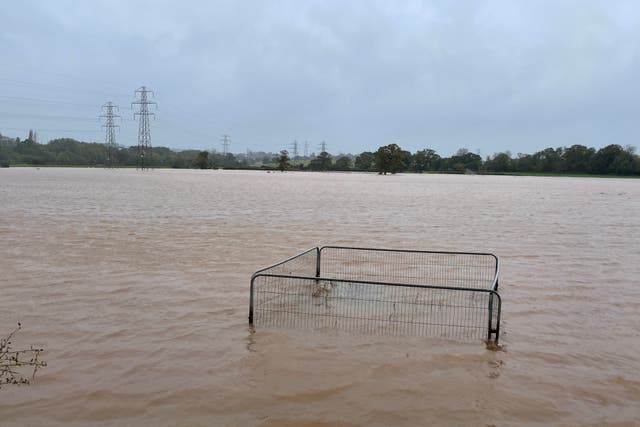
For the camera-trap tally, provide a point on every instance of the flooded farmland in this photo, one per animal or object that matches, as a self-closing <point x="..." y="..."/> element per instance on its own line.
<point x="137" y="286"/>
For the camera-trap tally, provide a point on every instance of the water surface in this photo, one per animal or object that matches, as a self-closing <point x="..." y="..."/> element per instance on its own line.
<point x="136" y="284"/>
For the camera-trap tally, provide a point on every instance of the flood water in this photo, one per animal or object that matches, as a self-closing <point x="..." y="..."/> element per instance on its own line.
<point x="136" y="284"/>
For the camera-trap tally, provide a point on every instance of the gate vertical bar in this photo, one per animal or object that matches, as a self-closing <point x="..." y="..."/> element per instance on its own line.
<point x="497" y="330"/>
<point x="251" y="303"/>
<point x="490" y="330"/>
<point x="318" y="250"/>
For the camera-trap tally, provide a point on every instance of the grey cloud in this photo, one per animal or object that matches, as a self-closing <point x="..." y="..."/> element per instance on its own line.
<point x="491" y="75"/>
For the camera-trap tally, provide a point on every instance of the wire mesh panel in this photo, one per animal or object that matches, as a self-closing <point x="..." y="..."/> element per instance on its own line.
<point x="459" y="270"/>
<point x="370" y="308"/>
<point x="386" y="292"/>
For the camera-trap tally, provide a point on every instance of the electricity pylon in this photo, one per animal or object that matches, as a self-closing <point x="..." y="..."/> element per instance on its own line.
<point x="144" y="129"/>
<point x="110" y="129"/>
<point x="226" y="141"/>
<point x="294" y="149"/>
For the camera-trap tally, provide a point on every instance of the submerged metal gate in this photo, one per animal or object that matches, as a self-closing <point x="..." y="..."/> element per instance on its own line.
<point x="381" y="291"/>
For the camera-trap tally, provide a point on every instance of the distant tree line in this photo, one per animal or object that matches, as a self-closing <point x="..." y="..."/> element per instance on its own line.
<point x="576" y="159"/>
<point x="69" y="152"/>
<point x="612" y="159"/>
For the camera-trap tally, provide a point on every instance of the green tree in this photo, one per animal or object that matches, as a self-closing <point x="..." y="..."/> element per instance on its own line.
<point x="407" y="160"/>
<point x="577" y="158"/>
<point x="523" y="163"/>
<point x="499" y="162"/>
<point x="5" y="157"/>
<point x="389" y="158"/>
<point x="229" y="161"/>
<point x="32" y="153"/>
<point x="178" y="163"/>
<point x="321" y="163"/>
<point x="548" y="160"/>
<point x="419" y="161"/>
<point x="216" y="160"/>
<point x="202" y="160"/>
<point x="613" y="159"/>
<point x="463" y="161"/>
<point x="365" y="161"/>
<point x="425" y="160"/>
<point x="343" y="163"/>
<point x="283" y="161"/>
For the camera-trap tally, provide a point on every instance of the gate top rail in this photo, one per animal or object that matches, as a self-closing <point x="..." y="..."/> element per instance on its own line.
<point x="319" y="249"/>
<point x="406" y="250"/>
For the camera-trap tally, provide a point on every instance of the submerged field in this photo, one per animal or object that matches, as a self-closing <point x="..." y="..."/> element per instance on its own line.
<point x="136" y="284"/>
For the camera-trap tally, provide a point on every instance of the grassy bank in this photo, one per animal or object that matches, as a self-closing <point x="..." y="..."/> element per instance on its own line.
<point x="562" y="174"/>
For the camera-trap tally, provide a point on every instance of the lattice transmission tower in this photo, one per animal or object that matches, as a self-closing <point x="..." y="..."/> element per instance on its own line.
<point x="323" y="146"/>
<point x="110" y="128"/>
<point x="226" y="141"/>
<point x="294" y="149"/>
<point x="144" y="129"/>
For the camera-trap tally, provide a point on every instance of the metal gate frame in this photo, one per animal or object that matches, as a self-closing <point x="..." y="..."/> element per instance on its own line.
<point x="494" y="307"/>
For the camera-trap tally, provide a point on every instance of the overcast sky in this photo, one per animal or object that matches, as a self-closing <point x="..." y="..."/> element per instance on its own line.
<point x="489" y="76"/>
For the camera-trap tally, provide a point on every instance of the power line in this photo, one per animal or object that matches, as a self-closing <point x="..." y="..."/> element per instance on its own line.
<point x="110" y="128"/>
<point x="43" y="101"/>
<point x="45" y="117"/>
<point x="144" y="129"/>
<point x="57" y="87"/>
<point x="52" y="130"/>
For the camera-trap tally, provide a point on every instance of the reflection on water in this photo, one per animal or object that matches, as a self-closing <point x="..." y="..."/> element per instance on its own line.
<point x="136" y="284"/>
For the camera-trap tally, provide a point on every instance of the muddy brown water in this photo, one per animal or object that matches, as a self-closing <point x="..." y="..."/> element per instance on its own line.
<point x="136" y="284"/>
